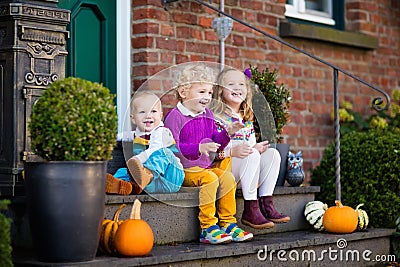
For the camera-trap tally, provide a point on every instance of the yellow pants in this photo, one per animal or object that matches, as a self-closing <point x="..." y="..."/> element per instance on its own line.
<point x="216" y="185"/>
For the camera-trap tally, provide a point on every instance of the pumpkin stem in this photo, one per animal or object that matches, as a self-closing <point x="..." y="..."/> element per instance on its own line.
<point x="359" y="205"/>
<point x="135" y="212"/>
<point x="338" y="204"/>
<point x="116" y="214"/>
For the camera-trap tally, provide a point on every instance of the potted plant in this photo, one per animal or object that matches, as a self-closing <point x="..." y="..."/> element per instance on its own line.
<point x="73" y="129"/>
<point x="274" y="114"/>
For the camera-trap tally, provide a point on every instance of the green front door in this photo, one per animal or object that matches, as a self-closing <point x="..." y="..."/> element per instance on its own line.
<point x="92" y="42"/>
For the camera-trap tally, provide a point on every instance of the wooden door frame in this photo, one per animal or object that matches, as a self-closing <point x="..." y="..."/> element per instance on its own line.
<point x="123" y="63"/>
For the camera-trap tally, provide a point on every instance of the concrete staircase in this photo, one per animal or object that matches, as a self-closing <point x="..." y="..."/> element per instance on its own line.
<point x="177" y="213"/>
<point x="173" y="218"/>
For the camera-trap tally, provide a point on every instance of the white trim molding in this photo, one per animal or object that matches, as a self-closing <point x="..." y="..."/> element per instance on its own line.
<point x="123" y="64"/>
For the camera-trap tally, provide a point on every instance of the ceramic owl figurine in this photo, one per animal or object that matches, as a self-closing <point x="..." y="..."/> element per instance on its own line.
<point x="295" y="174"/>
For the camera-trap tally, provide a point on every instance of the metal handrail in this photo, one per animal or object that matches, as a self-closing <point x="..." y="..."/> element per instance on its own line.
<point x="377" y="103"/>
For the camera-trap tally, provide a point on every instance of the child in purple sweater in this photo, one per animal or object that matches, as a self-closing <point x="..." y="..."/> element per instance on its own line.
<point x="193" y="127"/>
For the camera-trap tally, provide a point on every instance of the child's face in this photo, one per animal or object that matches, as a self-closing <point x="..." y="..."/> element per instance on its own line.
<point x="147" y="113"/>
<point x="197" y="97"/>
<point x="234" y="88"/>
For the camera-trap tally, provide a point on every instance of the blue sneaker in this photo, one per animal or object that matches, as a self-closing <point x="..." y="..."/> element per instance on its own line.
<point x="214" y="235"/>
<point x="237" y="234"/>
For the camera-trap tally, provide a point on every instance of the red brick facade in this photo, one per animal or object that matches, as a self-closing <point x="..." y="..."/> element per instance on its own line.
<point x="184" y="33"/>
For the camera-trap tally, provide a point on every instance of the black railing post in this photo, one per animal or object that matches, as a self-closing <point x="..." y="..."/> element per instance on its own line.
<point x="337" y="132"/>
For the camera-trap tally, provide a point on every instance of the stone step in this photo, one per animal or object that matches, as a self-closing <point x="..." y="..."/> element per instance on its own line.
<point x="297" y="248"/>
<point x="173" y="217"/>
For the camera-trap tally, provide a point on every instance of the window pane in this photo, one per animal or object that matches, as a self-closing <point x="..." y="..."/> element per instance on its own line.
<point x="317" y="5"/>
<point x="318" y="11"/>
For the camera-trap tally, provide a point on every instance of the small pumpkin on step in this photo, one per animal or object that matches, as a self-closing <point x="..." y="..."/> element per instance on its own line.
<point x="340" y="219"/>
<point x="134" y="237"/>
<point x="314" y="211"/>
<point x="363" y="219"/>
<point x="108" y="231"/>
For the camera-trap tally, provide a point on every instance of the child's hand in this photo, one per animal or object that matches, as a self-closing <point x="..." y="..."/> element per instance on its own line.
<point x="262" y="146"/>
<point x="206" y="148"/>
<point x="241" y="151"/>
<point x="234" y="127"/>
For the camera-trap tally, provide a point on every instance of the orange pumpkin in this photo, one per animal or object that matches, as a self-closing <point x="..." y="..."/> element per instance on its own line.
<point x="340" y="219"/>
<point x="108" y="231"/>
<point x="134" y="236"/>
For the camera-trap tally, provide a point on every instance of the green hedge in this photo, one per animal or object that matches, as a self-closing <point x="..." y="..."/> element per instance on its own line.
<point x="5" y="240"/>
<point x="370" y="174"/>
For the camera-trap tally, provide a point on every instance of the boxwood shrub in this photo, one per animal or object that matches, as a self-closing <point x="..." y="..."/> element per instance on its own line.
<point x="370" y="168"/>
<point x="74" y="119"/>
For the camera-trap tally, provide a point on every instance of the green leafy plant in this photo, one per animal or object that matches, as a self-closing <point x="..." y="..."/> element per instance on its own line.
<point x="74" y="119"/>
<point x="370" y="166"/>
<point x="5" y="239"/>
<point x="277" y="95"/>
<point x="354" y="121"/>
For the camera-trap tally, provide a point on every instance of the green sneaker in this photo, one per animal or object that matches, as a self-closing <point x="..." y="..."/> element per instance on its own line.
<point x="214" y="235"/>
<point x="237" y="234"/>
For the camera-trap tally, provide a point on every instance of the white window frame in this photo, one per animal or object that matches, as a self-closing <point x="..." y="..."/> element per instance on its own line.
<point x="123" y="64"/>
<point x="298" y="10"/>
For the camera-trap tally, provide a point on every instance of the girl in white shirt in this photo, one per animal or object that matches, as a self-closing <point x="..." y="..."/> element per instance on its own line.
<point x="255" y="165"/>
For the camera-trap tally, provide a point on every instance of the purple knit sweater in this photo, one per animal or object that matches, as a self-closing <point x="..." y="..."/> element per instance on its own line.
<point x="190" y="131"/>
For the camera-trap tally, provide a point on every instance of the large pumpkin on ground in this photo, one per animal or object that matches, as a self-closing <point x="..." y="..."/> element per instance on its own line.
<point x="134" y="236"/>
<point x="108" y="231"/>
<point x="340" y="219"/>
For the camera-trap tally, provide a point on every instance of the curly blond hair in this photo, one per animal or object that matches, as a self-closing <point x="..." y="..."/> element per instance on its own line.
<point x="193" y="73"/>
<point x="219" y="107"/>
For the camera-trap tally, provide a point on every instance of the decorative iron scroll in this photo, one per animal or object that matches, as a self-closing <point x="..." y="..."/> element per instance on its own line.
<point x="34" y="11"/>
<point x="40" y="79"/>
<point x="42" y="35"/>
<point x="44" y="12"/>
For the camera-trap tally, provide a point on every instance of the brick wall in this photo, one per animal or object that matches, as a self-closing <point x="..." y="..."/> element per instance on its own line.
<point x="162" y="38"/>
